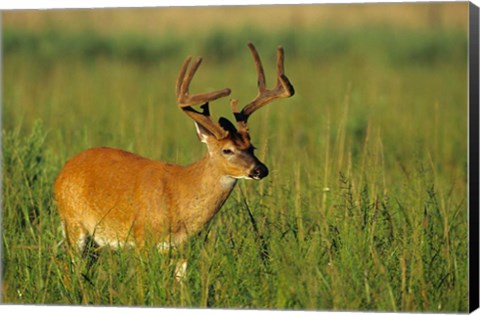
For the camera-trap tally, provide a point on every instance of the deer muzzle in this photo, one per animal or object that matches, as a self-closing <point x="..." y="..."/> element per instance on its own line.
<point x="259" y="171"/>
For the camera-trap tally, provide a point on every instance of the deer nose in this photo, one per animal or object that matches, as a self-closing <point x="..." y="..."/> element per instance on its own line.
<point x="260" y="171"/>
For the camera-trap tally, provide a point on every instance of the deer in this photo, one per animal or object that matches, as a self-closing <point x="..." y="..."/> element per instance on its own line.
<point x="118" y="198"/>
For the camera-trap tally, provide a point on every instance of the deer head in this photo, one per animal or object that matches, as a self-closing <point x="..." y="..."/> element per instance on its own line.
<point x="229" y="145"/>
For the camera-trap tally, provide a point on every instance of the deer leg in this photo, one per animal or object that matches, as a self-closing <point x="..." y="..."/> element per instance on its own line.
<point x="75" y="234"/>
<point x="181" y="270"/>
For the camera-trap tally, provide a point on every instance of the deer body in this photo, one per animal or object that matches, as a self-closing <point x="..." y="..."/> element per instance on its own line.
<point x="120" y="198"/>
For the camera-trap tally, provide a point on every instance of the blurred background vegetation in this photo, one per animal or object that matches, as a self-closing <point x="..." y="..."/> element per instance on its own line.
<point x="365" y="207"/>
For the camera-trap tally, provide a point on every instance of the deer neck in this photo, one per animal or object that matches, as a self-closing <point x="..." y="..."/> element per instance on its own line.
<point x="206" y="191"/>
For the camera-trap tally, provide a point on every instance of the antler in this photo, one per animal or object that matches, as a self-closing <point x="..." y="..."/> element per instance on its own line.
<point x="186" y="101"/>
<point x="283" y="89"/>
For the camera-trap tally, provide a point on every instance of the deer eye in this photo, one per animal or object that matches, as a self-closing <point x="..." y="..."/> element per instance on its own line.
<point x="227" y="151"/>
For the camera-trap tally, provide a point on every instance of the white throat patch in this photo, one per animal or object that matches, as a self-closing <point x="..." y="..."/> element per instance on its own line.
<point x="227" y="182"/>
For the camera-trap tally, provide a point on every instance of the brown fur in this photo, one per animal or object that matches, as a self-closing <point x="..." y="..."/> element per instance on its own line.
<point x="121" y="198"/>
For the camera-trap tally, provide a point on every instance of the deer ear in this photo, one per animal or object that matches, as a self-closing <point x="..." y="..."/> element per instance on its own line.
<point x="227" y="125"/>
<point x="202" y="133"/>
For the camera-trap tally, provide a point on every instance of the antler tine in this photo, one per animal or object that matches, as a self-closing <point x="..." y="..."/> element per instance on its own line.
<point x="259" y="67"/>
<point x="282" y="80"/>
<point x="283" y="89"/>
<point x="280" y="67"/>
<point x="186" y="101"/>
<point x="181" y="76"/>
<point x="183" y="84"/>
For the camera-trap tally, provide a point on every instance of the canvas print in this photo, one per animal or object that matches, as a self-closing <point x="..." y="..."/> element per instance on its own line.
<point x="295" y="157"/>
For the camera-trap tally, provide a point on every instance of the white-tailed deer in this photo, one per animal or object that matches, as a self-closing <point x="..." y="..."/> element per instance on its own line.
<point x="120" y="198"/>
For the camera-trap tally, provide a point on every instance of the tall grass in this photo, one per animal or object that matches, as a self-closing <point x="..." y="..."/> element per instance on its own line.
<point x="364" y="209"/>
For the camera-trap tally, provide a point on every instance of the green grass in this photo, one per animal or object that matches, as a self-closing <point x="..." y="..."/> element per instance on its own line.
<point x="365" y="207"/>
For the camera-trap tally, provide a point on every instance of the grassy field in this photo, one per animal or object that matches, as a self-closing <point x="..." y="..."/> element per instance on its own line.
<point x="365" y="207"/>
